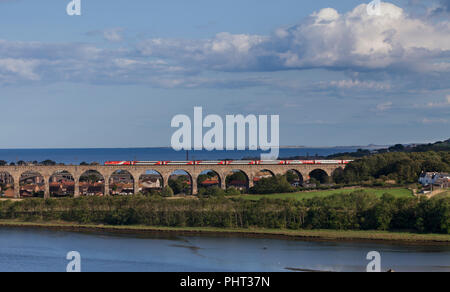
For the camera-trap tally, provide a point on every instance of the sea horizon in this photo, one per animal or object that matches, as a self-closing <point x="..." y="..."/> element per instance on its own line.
<point x="370" y="146"/>
<point x="101" y="155"/>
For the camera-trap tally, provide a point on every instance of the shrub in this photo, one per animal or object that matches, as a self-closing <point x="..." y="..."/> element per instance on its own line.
<point x="232" y="191"/>
<point x="167" y="192"/>
<point x="272" y="185"/>
<point x="214" y="191"/>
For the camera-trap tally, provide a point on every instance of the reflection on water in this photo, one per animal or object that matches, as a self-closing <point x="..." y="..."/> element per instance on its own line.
<point x="38" y="250"/>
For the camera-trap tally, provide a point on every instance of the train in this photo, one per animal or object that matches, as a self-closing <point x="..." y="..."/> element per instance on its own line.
<point x="228" y="162"/>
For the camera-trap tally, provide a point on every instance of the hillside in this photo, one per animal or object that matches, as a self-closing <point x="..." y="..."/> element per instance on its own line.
<point x="438" y="146"/>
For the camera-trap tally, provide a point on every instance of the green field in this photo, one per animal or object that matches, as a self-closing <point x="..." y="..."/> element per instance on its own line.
<point x="396" y="192"/>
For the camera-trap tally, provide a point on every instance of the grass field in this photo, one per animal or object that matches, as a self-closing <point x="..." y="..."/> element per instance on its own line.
<point x="443" y="195"/>
<point x="397" y="192"/>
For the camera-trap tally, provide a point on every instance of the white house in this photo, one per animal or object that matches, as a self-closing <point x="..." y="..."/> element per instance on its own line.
<point x="428" y="178"/>
<point x="296" y="184"/>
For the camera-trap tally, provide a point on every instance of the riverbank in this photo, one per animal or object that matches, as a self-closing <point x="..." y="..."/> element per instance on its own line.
<point x="304" y="235"/>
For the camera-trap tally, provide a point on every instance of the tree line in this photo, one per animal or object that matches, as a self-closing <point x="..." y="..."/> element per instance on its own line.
<point x="359" y="210"/>
<point x="400" y="168"/>
<point x="403" y="167"/>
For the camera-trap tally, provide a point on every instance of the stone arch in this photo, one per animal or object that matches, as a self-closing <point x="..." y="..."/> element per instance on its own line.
<point x="268" y="171"/>
<point x="209" y="178"/>
<point x="262" y="173"/>
<point x="150" y="180"/>
<point x="61" y="184"/>
<point x="338" y="175"/>
<point x="7" y="185"/>
<point x="32" y="185"/>
<point x="295" y="177"/>
<point x="182" y="182"/>
<point x="319" y="175"/>
<point x="234" y="179"/>
<point x="337" y="170"/>
<point x="121" y="182"/>
<point x="92" y="183"/>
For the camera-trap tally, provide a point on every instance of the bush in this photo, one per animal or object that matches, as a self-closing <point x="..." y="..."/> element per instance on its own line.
<point x="272" y="185"/>
<point x="232" y="191"/>
<point x="214" y="191"/>
<point x="167" y="192"/>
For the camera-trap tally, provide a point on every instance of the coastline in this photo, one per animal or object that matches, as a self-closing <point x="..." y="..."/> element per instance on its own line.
<point x="401" y="238"/>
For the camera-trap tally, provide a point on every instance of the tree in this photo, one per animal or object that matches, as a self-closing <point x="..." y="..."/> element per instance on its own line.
<point x="397" y="148"/>
<point x="272" y="185"/>
<point x="48" y="162"/>
<point x="320" y="176"/>
<point x="167" y="192"/>
<point x="214" y="191"/>
<point x="236" y="176"/>
<point x="180" y="185"/>
<point x="338" y="176"/>
<point x="232" y="191"/>
<point x="292" y="176"/>
<point x="400" y="166"/>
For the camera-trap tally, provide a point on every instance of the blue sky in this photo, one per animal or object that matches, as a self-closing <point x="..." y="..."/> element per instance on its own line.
<point x="115" y="76"/>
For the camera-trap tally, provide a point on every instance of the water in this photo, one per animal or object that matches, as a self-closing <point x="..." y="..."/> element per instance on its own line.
<point x="39" y="250"/>
<point x="76" y="156"/>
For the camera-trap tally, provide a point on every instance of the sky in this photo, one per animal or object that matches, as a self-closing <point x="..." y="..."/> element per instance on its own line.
<point x="116" y="75"/>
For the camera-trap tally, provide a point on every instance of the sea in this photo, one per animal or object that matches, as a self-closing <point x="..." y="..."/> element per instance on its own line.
<point x="101" y="155"/>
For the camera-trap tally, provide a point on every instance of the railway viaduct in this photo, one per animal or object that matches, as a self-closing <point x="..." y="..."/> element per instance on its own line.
<point x="165" y="171"/>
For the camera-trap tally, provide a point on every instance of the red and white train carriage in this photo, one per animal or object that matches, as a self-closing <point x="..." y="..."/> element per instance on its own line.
<point x="228" y="162"/>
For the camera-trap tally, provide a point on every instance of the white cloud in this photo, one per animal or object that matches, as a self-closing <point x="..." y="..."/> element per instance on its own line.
<point x="110" y="35"/>
<point x="384" y="106"/>
<point x="349" y="84"/>
<point x="113" y="35"/>
<point x="442" y="104"/>
<point x="326" y="15"/>
<point x="368" y="49"/>
<point x="22" y="68"/>
<point x="428" y="121"/>
<point x="352" y="41"/>
<point x="224" y="52"/>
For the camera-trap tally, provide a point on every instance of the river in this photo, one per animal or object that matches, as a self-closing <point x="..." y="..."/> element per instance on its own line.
<point x="34" y="250"/>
